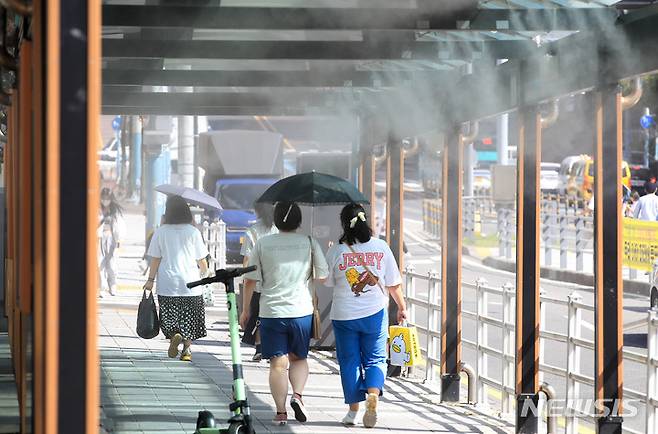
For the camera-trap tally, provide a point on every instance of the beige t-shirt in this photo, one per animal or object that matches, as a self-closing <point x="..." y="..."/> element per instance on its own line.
<point x="284" y="267"/>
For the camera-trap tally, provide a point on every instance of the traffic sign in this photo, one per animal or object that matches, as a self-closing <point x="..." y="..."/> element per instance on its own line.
<point x="116" y="123"/>
<point x="647" y="121"/>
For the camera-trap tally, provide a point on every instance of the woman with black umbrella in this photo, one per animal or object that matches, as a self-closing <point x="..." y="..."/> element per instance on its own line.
<point x="286" y="263"/>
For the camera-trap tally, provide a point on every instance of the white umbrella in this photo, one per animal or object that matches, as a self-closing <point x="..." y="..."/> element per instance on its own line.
<point x="191" y="196"/>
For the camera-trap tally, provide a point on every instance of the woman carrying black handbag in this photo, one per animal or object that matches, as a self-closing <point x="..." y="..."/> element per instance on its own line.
<point x="178" y="255"/>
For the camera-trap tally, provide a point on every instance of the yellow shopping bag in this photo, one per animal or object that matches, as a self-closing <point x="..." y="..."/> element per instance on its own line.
<point x="404" y="348"/>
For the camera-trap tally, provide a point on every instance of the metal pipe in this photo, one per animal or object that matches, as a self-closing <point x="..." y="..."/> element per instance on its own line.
<point x="551" y="117"/>
<point x="17" y="6"/>
<point x="472" y="381"/>
<point x="551" y="422"/>
<point x="634" y="97"/>
<point x="473" y="131"/>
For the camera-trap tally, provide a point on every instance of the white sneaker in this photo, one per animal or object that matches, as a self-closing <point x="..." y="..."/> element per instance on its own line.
<point x="350" y="418"/>
<point x="370" y="417"/>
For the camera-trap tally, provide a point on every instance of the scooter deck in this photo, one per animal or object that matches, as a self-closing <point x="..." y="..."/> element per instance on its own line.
<point x="212" y="431"/>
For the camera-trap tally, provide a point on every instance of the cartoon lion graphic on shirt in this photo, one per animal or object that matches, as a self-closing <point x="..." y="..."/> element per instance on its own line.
<point x="359" y="281"/>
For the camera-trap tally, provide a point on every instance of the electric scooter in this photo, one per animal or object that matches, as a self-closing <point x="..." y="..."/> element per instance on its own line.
<point x="241" y="421"/>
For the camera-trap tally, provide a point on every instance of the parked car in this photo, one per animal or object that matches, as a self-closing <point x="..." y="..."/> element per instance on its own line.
<point x="107" y="160"/>
<point x="549" y="177"/>
<point x="640" y="174"/>
<point x="587" y="185"/>
<point x="576" y="178"/>
<point x="565" y="173"/>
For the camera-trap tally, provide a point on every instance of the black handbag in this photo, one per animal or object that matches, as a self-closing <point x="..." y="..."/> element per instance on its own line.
<point x="148" y="323"/>
<point x="250" y="329"/>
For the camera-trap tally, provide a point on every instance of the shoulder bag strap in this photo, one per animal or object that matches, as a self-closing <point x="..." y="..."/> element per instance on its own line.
<point x="368" y="270"/>
<point x="310" y="274"/>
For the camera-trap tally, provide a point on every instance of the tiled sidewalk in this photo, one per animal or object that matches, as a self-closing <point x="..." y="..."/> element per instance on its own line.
<point x="144" y="391"/>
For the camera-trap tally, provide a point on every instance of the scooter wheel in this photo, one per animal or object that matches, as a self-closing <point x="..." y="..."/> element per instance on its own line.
<point x="238" y="428"/>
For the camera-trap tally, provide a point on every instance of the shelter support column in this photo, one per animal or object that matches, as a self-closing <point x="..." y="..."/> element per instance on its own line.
<point x="186" y="150"/>
<point x="395" y="208"/>
<point x="451" y="250"/>
<point x="367" y="182"/>
<point x="367" y="166"/>
<point x="157" y="167"/>
<point x="527" y="270"/>
<point x="70" y="358"/>
<point x="608" y="282"/>
<point x="135" y="156"/>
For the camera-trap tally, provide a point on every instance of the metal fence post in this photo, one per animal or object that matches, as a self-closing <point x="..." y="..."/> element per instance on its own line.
<point x="652" y="373"/>
<point x="508" y="350"/>
<point x="580" y="243"/>
<point x="542" y="327"/>
<point x="546" y="233"/>
<point x="221" y="243"/>
<point x="410" y="292"/>
<point x="481" y="339"/>
<point x="574" y="318"/>
<point x="510" y="230"/>
<point x="500" y="216"/>
<point x="433" y="323"/>
<point x="564" y="218"/>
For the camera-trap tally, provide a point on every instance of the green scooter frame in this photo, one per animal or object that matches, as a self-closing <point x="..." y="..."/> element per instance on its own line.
<point x="241" y="421"/>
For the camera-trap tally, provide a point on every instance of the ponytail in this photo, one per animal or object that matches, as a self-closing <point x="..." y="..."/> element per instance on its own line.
<point x="355" y="225"/>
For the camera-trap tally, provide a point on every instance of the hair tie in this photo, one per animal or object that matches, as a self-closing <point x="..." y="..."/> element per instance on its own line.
<point x="285" y="218"/>
<point x="361" y="215"/>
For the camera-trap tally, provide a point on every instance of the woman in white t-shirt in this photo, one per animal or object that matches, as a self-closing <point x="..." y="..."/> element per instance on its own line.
<point x="363" y="272"/>
<point x="286" y="307"/>
<point x="178" y="256"/>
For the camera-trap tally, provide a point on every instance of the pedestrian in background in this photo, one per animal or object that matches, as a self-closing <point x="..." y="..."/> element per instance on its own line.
<point x="178" y="256"/>
<point x="631" y="204"/>
<point x="647" y="207"/>
<point x="287" y="262"/>
<point x="264" y="226"/>
<point x="111" y="228"/>
<point x="363" y="272"/>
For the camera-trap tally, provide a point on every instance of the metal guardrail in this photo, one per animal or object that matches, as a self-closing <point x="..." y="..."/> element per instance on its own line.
<point x="566" y="227"/>
<point x="573" y="339"/>
<point x="214" y="236"/>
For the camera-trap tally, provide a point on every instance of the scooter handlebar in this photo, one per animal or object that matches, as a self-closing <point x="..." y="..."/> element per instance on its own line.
<point x="223" y="276"/>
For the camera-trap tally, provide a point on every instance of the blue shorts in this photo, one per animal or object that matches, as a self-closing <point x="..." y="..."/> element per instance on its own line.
<point x="282" y="336"/>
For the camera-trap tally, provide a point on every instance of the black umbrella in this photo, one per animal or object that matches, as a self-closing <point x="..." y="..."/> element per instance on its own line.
<point x="313" y="188"/>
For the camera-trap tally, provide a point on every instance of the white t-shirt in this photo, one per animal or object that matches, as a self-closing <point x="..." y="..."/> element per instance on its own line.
<point x="180" y="247"/>
<point x="284" y="267"/>
<point x="356" y="293"/>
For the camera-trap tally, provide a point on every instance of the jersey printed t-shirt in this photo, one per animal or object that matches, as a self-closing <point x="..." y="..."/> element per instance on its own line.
<point x="356" y="292"/>
<point x="179" y="247"/>
<point x="284" y="267"/>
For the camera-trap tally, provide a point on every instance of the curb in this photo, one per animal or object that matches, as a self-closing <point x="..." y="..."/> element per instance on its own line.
<point x="630" y="286"/>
